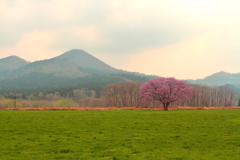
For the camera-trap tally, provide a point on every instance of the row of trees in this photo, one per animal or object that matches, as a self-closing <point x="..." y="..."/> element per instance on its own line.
<point x="215" y="96"/>
<point x="122" y="95"/>
<point x="43" y="96"/>
<point x="157" y="92"/>
<point x="72" y="98"/>
<point x="63" y="102"/>
<point x="127" y="94"/>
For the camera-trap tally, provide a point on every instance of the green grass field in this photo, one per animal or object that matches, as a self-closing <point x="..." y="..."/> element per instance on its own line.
<point x="119" y="135"/>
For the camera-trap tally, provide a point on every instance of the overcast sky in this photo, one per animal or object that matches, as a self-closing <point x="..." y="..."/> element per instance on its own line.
<point x="186" y="39"/>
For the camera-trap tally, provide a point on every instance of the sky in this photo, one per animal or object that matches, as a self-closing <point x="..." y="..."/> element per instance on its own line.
<point x="185" y="39"/>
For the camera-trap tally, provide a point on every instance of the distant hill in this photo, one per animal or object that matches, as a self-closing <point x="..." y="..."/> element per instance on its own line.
<point x="220" y="79"/>
<point x="11" y="63"/>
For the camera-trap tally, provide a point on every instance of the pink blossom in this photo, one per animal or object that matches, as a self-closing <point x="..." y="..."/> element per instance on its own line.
<point x="165" y="90"/>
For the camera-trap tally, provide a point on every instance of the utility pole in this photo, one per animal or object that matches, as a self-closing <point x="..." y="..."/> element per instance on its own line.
<point x="15" y="101"/>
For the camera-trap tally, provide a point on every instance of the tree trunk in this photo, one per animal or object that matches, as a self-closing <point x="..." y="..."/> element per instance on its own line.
<point x="15" y="101"/>
<point x="165" y="107"/>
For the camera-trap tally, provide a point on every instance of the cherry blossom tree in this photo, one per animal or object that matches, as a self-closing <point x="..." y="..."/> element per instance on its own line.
<point x="228" y="103"/>
<point x="164" y="90"/>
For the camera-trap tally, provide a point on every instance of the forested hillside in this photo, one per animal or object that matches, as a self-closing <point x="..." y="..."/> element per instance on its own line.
<point x="38" y="82"/>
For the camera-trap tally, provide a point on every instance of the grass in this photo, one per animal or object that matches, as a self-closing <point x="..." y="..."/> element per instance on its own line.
<point x="120" y="135"/>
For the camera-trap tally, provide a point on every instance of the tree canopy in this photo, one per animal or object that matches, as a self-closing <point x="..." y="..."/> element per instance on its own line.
<point x="165" y="90"/>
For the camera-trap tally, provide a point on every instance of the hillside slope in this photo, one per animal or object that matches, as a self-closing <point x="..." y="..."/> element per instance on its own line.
<point x="39" y="82"/>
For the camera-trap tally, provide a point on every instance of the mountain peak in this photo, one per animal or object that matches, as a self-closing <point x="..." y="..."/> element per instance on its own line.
<point x="85" y="59"/>
<point x="221" y="74"/>
<point x="11" y="57"/>
<point x="12" y="62"/>
<point x="75" y="52"/>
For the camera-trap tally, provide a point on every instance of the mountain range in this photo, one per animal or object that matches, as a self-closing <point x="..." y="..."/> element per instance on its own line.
<point x="73" y="69"/>
<point x="79" y="69"/>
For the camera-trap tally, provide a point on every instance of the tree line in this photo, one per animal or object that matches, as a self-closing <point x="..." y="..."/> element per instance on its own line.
<point x="124" y="94"/>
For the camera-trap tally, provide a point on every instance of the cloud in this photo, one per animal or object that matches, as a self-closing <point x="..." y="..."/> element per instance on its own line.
<point x="194" y="58"/>
<point x="127" y="26"/>
<point x="33" y="45"/>
<point x="138" y="30"/>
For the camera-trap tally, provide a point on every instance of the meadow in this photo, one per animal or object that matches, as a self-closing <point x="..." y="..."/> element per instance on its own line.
<point x="120" y="135"/>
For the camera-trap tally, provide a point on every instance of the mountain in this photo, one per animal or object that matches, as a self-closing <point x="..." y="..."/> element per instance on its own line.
<point x="85" y="59"/>
<point x="72" y="64"/>
<point x="57" y="67"/>
<point x="220" y="78"/>
<point x="78" y="69"/>
<point x="11" y="63"/>
<point x="73" y="69"/>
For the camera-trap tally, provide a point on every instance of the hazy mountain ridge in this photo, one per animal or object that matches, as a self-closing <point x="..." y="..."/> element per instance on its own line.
<point x="219" y="78"/>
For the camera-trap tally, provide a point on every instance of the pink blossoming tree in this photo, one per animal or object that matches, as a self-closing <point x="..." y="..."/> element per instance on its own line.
<point x="165" y="90"/>
<point x="228" y="103"/>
